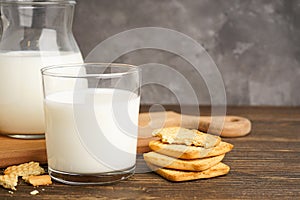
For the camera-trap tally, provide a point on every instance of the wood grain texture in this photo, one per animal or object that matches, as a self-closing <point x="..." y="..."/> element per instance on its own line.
<point x="264" y="165"/>
<point x="226" y="126"/>
<point x="16" y="151"/>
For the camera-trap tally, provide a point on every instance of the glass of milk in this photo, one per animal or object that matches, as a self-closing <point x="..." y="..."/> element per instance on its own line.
<point x="91" y="113"/>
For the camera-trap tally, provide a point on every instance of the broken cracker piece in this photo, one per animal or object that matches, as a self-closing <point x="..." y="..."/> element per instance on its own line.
<point x="26" y="169"/>
<point x="9" y="181"/>
<point x="38" y="180"/>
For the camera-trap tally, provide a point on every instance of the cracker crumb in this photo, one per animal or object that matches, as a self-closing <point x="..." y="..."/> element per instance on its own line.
<point x="34" y="192"/>
<point x="10" y="192"/>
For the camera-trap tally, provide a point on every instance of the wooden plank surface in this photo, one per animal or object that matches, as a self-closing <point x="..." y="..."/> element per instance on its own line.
<point x="264" y="165"/>
<point x="16" y="151"/>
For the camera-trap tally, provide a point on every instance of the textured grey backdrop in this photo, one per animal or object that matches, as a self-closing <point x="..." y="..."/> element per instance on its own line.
<point x="255" y="43"/>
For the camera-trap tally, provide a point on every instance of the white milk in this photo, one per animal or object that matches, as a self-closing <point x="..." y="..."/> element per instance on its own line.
<point x="96" y="132"/>
<point x="21" y="96"/>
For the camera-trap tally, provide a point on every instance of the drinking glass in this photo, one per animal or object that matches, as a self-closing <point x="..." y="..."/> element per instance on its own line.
<point x="91" y="113"/>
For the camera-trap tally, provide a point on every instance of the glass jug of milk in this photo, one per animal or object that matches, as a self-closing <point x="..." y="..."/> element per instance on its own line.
<point x="35" y="34"/>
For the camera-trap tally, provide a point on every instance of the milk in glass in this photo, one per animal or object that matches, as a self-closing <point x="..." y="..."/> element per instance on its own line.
<point x="91" y="130"/>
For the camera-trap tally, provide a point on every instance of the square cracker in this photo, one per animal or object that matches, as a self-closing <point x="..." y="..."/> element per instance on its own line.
<point x="177" y="176"/>
<point x="187" y="165"/>
<point x="189" y="152"/>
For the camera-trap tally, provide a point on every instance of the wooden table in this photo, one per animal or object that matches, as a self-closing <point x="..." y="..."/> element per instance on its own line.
<point x="264" y="165"/>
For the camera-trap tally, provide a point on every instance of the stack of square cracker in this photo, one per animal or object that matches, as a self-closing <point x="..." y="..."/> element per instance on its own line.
<point x="183" y="154"/>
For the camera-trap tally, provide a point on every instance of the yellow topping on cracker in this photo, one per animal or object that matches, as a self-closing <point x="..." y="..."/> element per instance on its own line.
<point x="178" y="135"/>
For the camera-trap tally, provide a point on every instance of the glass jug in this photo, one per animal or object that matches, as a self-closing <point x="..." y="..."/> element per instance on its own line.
<point x="35" y="34"/>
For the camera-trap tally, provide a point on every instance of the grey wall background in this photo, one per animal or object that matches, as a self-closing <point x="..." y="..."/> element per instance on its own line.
<point x="255" y="43"/>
